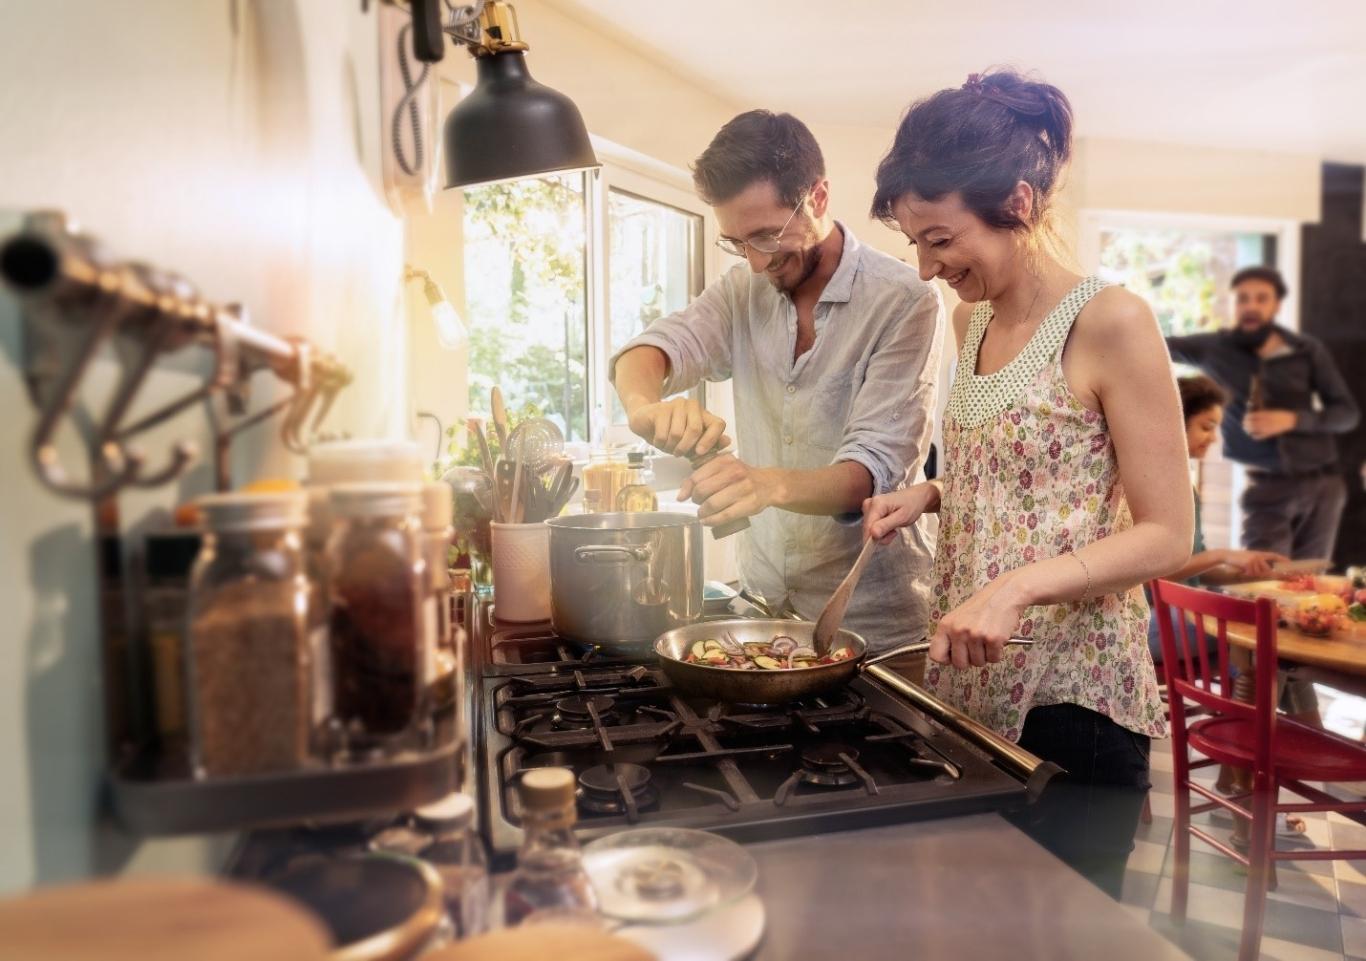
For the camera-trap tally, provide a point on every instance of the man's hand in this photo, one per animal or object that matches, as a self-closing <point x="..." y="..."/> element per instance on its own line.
<point x="679" y="426"/>
<point x="727" y="489"/>
<point x="1265" y="424"/>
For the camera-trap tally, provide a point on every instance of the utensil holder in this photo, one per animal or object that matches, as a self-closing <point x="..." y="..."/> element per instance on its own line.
<point x="521" y="572"/>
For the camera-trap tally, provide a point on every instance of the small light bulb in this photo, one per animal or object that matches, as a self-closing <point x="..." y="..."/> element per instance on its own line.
<point x="450" y="329"/>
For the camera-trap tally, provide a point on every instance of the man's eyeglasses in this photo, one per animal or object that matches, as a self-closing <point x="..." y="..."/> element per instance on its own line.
<point x="761" y="244"/>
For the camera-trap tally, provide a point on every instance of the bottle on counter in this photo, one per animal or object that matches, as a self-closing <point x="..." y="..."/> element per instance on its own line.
<point x="453" y="847"/>
<point x="637" y="495"/>
<point x="377" y="588"/>
<point x="168" y="558"/>
<point x="249" y="663"/>
<point x="550" y="883"/>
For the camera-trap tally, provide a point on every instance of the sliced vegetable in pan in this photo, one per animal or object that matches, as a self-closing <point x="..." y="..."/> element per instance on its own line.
<point x="780" y="653"/>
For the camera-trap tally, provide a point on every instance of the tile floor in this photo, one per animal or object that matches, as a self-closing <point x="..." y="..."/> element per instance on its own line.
<point x="1318" y="913"/>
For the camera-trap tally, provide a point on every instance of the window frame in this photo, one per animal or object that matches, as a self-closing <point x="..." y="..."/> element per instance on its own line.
<point x="651" y="180"/>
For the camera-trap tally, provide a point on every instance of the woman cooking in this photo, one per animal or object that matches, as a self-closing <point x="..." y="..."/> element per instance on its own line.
<point x="1065" y="485"/>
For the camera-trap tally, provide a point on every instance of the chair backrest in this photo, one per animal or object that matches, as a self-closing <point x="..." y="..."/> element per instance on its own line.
<point x="1184" y="616"/>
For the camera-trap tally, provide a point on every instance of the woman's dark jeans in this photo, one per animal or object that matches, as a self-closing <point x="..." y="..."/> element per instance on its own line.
<point x="1088" y="816"/>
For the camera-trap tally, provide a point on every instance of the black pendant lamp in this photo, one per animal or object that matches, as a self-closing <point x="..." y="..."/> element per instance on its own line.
<point x="509" y="126"/>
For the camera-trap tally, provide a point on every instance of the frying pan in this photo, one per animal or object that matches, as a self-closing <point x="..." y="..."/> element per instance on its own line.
<point x="769" y="687"/>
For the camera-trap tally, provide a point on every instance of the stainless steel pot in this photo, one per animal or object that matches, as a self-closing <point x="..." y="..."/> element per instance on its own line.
<point x="619" y="579"/>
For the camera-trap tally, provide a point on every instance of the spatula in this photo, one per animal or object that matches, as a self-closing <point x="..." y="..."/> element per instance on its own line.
<point x="832" y="615"/>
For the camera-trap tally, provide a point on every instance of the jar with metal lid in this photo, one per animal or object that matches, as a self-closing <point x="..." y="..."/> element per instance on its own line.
<point x="248" y="670"/>
<point x="376" y="587"/>
<point x="456" y="851"/>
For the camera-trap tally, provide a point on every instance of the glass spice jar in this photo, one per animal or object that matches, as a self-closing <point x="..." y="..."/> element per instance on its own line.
<point x="248" y="669"/>
<point x="376" y="587"/>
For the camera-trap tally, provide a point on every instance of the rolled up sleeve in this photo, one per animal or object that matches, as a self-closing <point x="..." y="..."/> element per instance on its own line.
<point x="696" y="339"/>
<point x="890" y="421"/>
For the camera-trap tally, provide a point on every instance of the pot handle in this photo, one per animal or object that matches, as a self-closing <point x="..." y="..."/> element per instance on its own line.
<point x="611" y="552"/>
<point x="922" y="647"/>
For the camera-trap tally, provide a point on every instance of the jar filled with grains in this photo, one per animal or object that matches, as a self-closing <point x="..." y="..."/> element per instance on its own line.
<point x="377" y="586"/>
<point x="249" y="663"/>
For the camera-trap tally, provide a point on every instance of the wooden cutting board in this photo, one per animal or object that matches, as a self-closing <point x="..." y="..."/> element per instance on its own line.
<point x="158" y="920"/>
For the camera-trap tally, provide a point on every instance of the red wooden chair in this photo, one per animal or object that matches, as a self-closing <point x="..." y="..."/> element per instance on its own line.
<point x="1281" y="753"/>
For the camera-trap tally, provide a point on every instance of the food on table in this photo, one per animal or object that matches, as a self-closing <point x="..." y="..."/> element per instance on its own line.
<point x="1319" y="614"/>
<point x="1299" y="582"/>
<point x="780" y="653"/>
<point x="1357" y="611"/>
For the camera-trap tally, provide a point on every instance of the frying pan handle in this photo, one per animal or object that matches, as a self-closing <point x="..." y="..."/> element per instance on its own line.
<point x="611" y="552"/>
<point x="922" y="647"/>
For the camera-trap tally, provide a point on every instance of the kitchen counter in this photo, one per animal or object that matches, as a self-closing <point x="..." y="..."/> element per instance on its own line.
<point x="959" y="889"/>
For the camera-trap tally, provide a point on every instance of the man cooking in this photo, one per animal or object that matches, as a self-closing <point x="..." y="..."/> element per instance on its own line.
<point x="1286" y="401"/>
<point x="833" y="349"/>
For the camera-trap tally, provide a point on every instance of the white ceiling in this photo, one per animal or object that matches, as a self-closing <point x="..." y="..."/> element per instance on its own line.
<point x="1280" y="75"/>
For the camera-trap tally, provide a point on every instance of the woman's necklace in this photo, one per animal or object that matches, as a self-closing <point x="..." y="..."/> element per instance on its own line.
<point x="1030" y="309"/>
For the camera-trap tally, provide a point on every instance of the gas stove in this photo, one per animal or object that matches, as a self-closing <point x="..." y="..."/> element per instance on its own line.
<point x="645" y="754"/>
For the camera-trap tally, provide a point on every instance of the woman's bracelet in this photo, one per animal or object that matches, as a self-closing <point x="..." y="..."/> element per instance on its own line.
<point x="1086" y="594"/>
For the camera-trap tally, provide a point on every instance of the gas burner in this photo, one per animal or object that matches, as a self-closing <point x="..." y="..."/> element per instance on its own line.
<point x="829" y="765"/>
<point x="617" y="789"/>
<point x="815" y="716"/>
<point x="582" y="712"/>
<point x="826" y="765"/>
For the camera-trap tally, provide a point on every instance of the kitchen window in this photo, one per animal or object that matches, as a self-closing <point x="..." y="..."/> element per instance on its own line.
<point x="561" y="271"/>
<point x="526" y="296"/>
<point x="1182" y="266"/>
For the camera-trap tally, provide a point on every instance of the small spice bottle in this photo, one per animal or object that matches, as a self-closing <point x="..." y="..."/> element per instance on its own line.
<point x="376" y="587"/>
<point x="249" y="665"/>
<point x="455" y="849"/>
<point x="550" y="883"/>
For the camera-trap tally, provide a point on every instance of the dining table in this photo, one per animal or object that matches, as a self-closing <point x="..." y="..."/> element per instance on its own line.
<point x="1337" y="661"/>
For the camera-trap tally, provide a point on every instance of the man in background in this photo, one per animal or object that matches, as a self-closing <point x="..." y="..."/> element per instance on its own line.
<point x="1287" y="400"/>
<point x="833" y="348"/>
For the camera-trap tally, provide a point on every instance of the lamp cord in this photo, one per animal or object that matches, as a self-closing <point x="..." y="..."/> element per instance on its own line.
<point x="457" y="18"/>
<point x="408" y="104"/>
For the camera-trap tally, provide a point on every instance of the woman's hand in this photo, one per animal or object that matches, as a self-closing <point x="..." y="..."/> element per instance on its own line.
<point x="1252" y="564"/>
<point x="884" y="514"/>
<point x="975" y="633"/>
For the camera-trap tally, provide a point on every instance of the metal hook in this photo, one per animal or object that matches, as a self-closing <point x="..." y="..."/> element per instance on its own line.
<point x="305" y="393"/>
<point x="119" y="466"/>
<point x="184" y="453"/>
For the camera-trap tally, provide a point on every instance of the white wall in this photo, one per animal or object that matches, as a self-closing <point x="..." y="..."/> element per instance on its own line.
<point x="234" y="141"/>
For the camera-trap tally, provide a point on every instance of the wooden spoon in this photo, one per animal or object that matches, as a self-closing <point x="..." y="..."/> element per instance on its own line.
<point x="518" y="501"/>
<point x="500" y="418"/>
<point x="828" y="624"/>
<point x="489" y="468"/>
